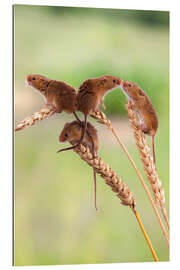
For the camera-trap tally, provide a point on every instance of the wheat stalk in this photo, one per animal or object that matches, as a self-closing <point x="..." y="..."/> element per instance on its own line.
<point x="118" y="186"/>
<point x="147" y="160"/>
<point x="101" y="118"/>
<point x="34" y="118"/>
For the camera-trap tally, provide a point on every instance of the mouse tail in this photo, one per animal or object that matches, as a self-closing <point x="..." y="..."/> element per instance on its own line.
<point x="68" y="148"/>
<point x="153" y="151"/>
<point x="81" y="124"/>
<point x="83" y="130"/>
<point x="77" y="118"/>
<point x="95" y="203"/>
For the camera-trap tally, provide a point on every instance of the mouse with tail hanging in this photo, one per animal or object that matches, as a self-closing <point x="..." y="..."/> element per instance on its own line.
<point x="90" y="94"/>
<point x="144" y="109"/>
<point x="72" y="133"/>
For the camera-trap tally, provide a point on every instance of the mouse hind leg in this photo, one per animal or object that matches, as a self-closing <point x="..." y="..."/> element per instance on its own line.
<point x="144" y="128"/>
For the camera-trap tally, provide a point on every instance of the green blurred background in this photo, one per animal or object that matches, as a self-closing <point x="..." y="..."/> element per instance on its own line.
<point x="55" y="218"/>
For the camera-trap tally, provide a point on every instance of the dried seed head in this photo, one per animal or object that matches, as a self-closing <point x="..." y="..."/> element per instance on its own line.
<point x="110" y="177"/>
<point x="34" y="118"/>
<point x="146" y="158"/>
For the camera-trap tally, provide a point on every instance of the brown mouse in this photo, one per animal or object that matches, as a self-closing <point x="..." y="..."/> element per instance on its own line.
<point x="91" y="93"/>
<point x="145" y="111"/>
<point x="59" y="96"/>
<point x="72" y="133"/>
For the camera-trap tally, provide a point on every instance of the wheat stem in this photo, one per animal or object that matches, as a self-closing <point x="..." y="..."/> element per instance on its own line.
<point x="165" y="216"/>
<point x="34" y="118"/>
<point x="118" y="186"/>
<point x="147" y="160"/>
<point x="101" y="118"/>
<point x="145" y="235"/>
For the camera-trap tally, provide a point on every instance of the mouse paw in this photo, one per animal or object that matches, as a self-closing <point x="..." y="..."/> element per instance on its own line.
<point x="130" y="104"/>
<point x="102" y="104"/>
<point x="97" y="110"/>
<point x="54" y="109"/>
<point x="144" y="128"/>
<point x="51" y="107"/>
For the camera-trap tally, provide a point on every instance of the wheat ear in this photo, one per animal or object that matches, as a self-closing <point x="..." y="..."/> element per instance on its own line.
<point x="118" y="186"/>
<point x="147" y="160"/>
<point x="34" y="118"/>
<point x="101" y="118"/>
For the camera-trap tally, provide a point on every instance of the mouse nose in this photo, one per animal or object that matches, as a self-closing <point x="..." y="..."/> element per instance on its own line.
<point x="28" y="78"/>
<point x="62" y="139"/>
<point x="119" y="81"/>
<point x="124" y="83"/>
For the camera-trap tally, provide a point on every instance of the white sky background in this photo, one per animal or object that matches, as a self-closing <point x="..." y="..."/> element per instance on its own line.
<point x="6" y="128"/>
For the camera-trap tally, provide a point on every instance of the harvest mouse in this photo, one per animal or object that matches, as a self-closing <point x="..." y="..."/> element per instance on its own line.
<point x="58" y="95"/>
<point x="72" y="133"/>
<point x="145" y="111"/>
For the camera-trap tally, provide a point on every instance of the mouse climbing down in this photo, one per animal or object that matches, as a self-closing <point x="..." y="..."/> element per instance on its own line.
<point x="72" y="133"/>
<point x="144" y="109"/>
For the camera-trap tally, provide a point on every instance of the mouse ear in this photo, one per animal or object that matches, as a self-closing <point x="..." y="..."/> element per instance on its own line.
<point x="103" y="81"/>
<point x="85" y="85"/>
<point x="78" y="128"/>
<point x="66" y="125"/>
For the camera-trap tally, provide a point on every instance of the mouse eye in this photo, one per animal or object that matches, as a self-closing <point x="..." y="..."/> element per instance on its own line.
<point x="129" y="85"/>
<point x="114" y="81"/>
<point x="65" y="135"/>
<point x="33" y="79"/>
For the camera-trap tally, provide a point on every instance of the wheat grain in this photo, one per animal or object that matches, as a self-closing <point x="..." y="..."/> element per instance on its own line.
<point x="110" y="177"/>
<point x="34" y="118"/>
